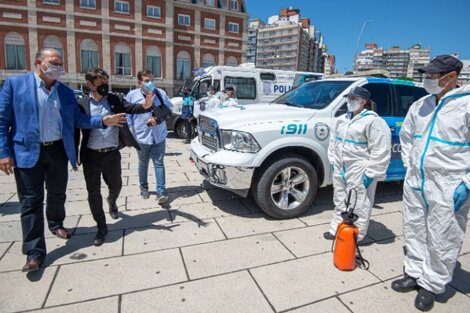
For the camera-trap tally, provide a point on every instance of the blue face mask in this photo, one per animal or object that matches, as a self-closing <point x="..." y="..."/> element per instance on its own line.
<point x="149" y="86"/>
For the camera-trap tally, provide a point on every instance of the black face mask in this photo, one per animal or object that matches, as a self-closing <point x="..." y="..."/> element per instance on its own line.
<point x="103" y="89"/>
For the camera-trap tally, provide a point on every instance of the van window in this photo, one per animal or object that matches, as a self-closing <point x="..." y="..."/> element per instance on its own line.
<point x="200" y="90"/>
<point x="406" y="95"/>
<point x="217" y="84"/>
<point x="245" y="88"/>
<point x="267" y="76"/>
<point x="381" y="95"/>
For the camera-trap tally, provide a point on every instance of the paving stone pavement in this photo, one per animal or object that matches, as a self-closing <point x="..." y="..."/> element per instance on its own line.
<point x="208" y="250"/>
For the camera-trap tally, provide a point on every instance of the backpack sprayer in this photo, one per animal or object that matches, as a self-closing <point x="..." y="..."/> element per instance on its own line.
<point x="345" y="243"/>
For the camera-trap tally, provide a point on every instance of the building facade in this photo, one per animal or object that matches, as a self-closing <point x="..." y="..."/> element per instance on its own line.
<point x="419" y="57"/>
<point x="168" y="37"/>
<point x="253" y="28"/>
<point x="289" y="42"/>
<point x="399" y="62"/>
<point x="464" y="77"/>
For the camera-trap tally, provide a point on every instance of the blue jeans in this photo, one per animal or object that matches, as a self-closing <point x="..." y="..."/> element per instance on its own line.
<point x="156" y="152"/>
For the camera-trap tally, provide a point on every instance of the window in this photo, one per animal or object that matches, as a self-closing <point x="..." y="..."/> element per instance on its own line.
<point x="51" y="1"/>
<point x="183" y="65"/>
<point x="88" y="55"/>
<point x="233" y="27"/>
<point x="232" y="61"/>
<point x="88" y="4"/>
<point x="382" y="98"/>
<point x="153" y="11"/>
<point x="53" y="42"/>
<point x="210" y="3"/>
<point x="267" y="76"/>
<point x="154" y="61"/>
<point x="209" y="23"/>
<point x="184" y="20"/>
<point x="245" y="88"/>
<point x="234" y="5"/>
<point x="121" y="6"/>
<point x="15" y="53"/>
<point x="313" y="95"/>
<point x="208" y="60"/>
<point x="406" y="95"/>
<point x="200" y="90"/>
<point x="122" y="59"/>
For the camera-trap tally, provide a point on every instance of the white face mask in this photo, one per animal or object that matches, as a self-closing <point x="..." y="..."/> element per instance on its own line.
<point x="353" y="105"/>
<point x="432" y="86"/>
<point x="53" y="72"/>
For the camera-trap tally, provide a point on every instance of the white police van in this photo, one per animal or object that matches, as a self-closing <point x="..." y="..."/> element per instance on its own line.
<point x="278" y="150"/>
<point x="252" y="85"/>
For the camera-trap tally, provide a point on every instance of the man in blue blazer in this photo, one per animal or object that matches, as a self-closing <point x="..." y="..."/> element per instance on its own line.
<point x="38" y="116"/>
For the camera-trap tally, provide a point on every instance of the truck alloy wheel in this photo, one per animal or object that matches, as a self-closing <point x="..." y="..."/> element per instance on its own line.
<point x="290" y="188"/>
<point x="286" y="187"/>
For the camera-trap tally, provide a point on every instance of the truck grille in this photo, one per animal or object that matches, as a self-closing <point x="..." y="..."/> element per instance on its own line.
<point x="207" y="125"/>
<point x="209" y="142"/>
<point x="208" y="133"/>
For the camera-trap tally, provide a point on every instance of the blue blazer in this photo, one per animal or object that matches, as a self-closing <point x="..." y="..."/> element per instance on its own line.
<point x="19" y="121"/>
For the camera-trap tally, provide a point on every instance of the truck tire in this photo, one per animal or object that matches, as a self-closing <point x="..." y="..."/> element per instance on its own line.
<point x="180" y="130"/>
<point x="286" y="187"/>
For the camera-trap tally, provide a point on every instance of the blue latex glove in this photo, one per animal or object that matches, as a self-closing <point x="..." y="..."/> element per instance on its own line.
<point x="366" y="180"/>
<point x="460" y="196"/>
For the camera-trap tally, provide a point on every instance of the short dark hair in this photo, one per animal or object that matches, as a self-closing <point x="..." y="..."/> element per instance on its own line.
<point x="40" y="53"/>
<point x="94" y="73"/>
<point x="143" y="73"/>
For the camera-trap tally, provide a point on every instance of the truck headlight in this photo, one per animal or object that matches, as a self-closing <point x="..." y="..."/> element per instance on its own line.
<point x="239" y="141"/>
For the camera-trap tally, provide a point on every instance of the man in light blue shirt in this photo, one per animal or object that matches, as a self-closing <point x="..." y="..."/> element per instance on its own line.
<point x="49" y="111"/>
<point x="150" y="135"/>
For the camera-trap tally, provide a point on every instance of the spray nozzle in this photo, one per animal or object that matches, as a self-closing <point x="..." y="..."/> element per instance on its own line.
<point x="349" y="215"/>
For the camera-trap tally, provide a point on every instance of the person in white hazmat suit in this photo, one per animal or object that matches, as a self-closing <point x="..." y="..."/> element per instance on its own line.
<point x="359" y="152"/>
<point x="435" y="143"/>
<point x="213" y="98"/>
<point x="229" y="99"/>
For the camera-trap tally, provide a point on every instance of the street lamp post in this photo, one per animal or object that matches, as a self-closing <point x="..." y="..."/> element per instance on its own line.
<point x="359" y="39"/>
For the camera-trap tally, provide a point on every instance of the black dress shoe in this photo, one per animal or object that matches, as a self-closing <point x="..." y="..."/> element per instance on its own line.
<point x="404" y="284"/>
<point x="328" y="236"/>
<point x="424" y="301"/>
<point x="113" y="212"/>
<point x="100" y="236"/>
<point x="32" y="265"/>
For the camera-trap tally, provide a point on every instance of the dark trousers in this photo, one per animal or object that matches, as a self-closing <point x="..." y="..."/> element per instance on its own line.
<point x="51" y="170"/>
<point x="107" y="164"/>
<point x="189" y="128"/>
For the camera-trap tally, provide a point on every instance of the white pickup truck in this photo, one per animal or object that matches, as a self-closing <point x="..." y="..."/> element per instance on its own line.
<point x="278" y="150"/>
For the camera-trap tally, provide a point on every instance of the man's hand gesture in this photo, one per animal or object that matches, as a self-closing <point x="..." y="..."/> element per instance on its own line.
<point x="149" y="100"/>
<point x="115" y="120"/>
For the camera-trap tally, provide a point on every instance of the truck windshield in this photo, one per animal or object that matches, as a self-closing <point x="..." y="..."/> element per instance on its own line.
<point x="313" y="95"/>
<point x="188" y="84"/>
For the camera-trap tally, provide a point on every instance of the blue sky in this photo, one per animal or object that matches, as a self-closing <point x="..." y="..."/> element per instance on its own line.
<point x="443" y="26"/>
